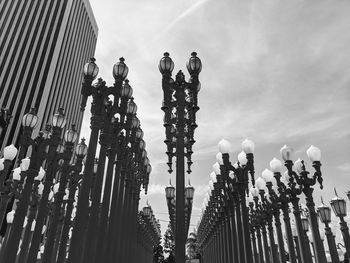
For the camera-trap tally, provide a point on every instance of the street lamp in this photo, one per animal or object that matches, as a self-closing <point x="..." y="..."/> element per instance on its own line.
<point x="302" y="183"/>
<point x="324" y="213"/>
<point x="339" y="208"/>
<point x="238" y="183"/>
<point x="180" y="107"/>
<point x="284" y="198"/>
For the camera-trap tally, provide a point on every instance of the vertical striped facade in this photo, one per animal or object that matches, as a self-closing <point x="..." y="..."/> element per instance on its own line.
<point x="43" y="47"/>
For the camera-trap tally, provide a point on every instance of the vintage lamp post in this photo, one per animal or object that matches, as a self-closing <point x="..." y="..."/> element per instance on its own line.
<point x="180" y="107"/>
<point x="238" y="182"/>
<point x="339" y="208"/>
<point x="324" y="213"/>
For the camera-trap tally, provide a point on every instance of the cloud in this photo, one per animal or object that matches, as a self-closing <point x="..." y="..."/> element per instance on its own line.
<point x="345" y="167"/>
<point x="273" y="71"/>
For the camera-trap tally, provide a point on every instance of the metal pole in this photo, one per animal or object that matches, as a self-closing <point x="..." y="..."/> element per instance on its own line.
<point x="260" y="247"/>
<point x="282" y="253"/>
<point x="245" y="225"/>
<point x="331" y="244"/>
<point x="82" y="214"/>
<point x="319" y="248"/>
<point x="297" y="250"/>
<point x="345" y="232"/>
<point x="103" y="223"/>
<point x="180" y="177"/>
<point x="301" y="237"/>
<point x="272" y="240"/>
<point x="288" y="231"/>
<point x="266" y="245"/>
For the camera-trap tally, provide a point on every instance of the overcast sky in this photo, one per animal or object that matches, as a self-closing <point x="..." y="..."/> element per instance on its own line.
<point x="274" y="71"/>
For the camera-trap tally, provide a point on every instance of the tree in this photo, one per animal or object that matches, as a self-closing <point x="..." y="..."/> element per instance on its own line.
<point x="192" y="247"/>
<point x="158" y="255"/>
<point x="169" y="245"/>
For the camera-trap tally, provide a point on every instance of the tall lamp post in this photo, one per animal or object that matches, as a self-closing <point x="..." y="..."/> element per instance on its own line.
<point x="339" y="208"/>
<point x="180" y="107"/>
<point x="324" y="213"/>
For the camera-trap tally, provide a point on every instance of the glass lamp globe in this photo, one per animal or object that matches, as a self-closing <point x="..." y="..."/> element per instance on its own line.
<point x="248" y="146"/>
<point x="55" y="188"/>
<point x="194" y="64"/>
<point x="71" y="135"/>
<point x="324" y="213"/>
<point x="16" y="175"/>
<point x="170" y="192"/>
<point x="25" y="164"/>
<point x="260" y="183"/>
<point x="81" y="149"/>
<point x="267" y="175"/>
<point x="59" y="120"/>
<point x="286" y="153"/>
<point x="189" y="192"/>
<point x="339" y="206"/>
<point x="126" y="91"/>
<point x="40" y="188"/>
<point x="10" y="216"/>
<point x="211" y="185"/>
<point x="219" y="158"/>
<point x="213" y="177"/>
<point x="254" y="191"/>
<point x="147" y="210"/>
<point x="10" y="152"/>
<point x="131" y="108"/>
<point x="216" y="168"/>
<point x="242" y="158"/>
<point x="314" y="154"/>
<point x="298" y="165"/>
<point x="120" y="70"/>
<point x="40" y="175"/>
<point x="30" y="119"/>
<point x="91" y="69"/>
<point x="224" y="146"/>
<point x="276" y="165"/>
<point x="166" y="64"/>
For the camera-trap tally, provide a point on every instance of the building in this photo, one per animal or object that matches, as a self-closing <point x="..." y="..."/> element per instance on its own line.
<point x="43" y="47"/>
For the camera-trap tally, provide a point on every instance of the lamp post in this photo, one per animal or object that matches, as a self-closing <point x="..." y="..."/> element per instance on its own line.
<point x="324" y="213"/>
<point x="294" y="190"/>
<point x="238" y="182"/>
<point x="275" y="205"/>
<point x="339" y="208"/>
<point x="70" y="137"/>
<point x="305" y="224"/>
<point x="38" y="154"/>
<point x="58" y="123"/>
<point x="180" y="96"/>
<point x="99" y="93"/>
<point x="276" y="167"/>
<point x="5" y="118"/>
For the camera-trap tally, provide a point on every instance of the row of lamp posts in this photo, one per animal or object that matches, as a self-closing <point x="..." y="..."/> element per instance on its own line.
<point x="68" y="205"/>
<point x="239" y="230"/>
<point x="148" y="233"/>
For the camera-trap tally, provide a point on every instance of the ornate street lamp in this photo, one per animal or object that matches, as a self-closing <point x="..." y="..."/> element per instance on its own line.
<point x="304" y="185"/>
<point x="238" y="182"/>
<point x="180" y="97"/>
<point x="5" y="117"/>
<point x="339" y="208"/>
<point x="284" y="198"/>
<point x="324" y="213"/>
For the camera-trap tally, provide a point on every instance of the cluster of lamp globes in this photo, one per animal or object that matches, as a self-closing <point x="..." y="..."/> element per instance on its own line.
<point x="10" y="153"/>
<point x="248" y="146"/>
